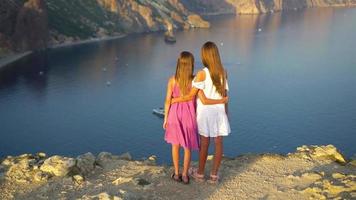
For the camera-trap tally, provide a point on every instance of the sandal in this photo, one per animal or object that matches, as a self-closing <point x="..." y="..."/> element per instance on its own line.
<point x="214" y="179"/>
<point x="185" y="179"/>
<point x="177" y="178"/>
<point x="194" y="173"/>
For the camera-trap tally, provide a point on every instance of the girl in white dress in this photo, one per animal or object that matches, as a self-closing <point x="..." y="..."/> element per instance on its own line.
<point x="212" y="119"/>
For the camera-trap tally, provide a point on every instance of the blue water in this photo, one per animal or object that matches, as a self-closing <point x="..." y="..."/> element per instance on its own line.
<point x="292" y="83"/>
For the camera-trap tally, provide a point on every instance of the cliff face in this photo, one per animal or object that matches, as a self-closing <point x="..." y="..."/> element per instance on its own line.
<point x="265" y="6"/>
<point x="32" y="24"/>
<point x="31" y="30"/>
<point x="259" y="6"/>
<point x="209" y="7"/>
<point x="23" y="25"/>
<point x="84" y="19"/>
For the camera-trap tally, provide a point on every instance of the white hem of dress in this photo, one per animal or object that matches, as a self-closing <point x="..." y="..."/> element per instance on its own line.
<point x="216" y="135"/>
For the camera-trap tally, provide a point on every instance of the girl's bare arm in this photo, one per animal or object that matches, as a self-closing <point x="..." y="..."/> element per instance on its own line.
<point x="207" y="101"/>
<point x="167" y="103"/>
<point x="194" y="91"/>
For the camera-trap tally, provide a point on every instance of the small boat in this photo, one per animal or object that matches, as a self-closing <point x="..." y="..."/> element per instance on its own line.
<point x="158" y="111"/>
<point x="169" y="37"/>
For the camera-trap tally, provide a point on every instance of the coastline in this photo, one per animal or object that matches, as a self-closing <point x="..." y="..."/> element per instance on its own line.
<point x="7" y="60"/>
<point x="88" y="41"/>
<point x="312" y="172"/>
<point x="13" y="58"/>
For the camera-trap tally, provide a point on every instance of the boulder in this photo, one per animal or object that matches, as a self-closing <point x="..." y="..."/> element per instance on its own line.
<point x="78" y="179"/>
<point x="23" y="169"/>
<point x="41" y="155"/>
<point x="19" y="169"/>
<point x="9" y="160"/>
<point x="85" y="163"/>
<point x="125" y="156"/>
<point x="321" y="152"/>
<point x="107" y="161"/>
<point x="151" y="160"/>
<point x="58" y="165"/>
<point x="103" y="158"/>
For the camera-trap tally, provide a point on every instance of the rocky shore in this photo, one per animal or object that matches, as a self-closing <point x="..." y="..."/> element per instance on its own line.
<point x="312" y="172"/>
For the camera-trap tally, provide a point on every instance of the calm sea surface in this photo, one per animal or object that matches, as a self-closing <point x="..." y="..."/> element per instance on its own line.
<point x="291" y="83"/>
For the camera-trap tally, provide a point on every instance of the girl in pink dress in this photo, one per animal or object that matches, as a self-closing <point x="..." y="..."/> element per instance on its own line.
<point x="180" y="118"/>
<point x="212" y="120"/>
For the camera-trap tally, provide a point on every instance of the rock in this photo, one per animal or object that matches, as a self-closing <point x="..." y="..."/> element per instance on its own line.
<point x="263" y="6"/>
<point x="151" y="160"/>
<point x="103" y="158"/>
<point x="9" y="160"/>
<point x="321" y="152"/>
<point x="122" y="180"/>
<point x="353" y="163"/>
<point x="196" y="21"/>
<point x="31" y="29"/>
<point x="129" y="195"/>
<point x="101" y="196"/>
<point x="353" y="160"/>
<point x="41" y="176"/>
<point x="58" y="165"/>
<point x="19" y="169"/>
<point x="85" y="163"/>
<point x="210" y="157"/>
<point x="328" y="190"/>
<point x="311" y="176"/>
<point x="125" y="156"/>
<point x="141" y="182"/>
<point x="107" y="160"/>
<point x="78" y="179"/>
<point x="315" y="193"/>
<point x="41" y="155"/>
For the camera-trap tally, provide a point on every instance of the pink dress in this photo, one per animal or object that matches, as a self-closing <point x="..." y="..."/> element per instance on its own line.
<point x="182" y="123"/>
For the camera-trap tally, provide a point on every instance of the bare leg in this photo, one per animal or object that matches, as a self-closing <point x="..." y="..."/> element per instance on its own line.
<point x="187" y="158"/>
<point x="218" y="154"/>
<point x="175" y="157"/>
<point x="203" y="153"/>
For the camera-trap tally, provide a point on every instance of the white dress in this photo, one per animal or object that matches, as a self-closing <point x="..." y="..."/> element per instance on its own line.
<point x="212" y="119"/>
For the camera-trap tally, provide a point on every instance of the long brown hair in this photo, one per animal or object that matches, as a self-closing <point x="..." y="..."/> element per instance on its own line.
<point x="211" y="59"/>
<point x="184" y="72"/>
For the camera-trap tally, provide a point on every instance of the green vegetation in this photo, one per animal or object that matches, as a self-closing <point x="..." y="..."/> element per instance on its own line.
<point x="80" y="18"/>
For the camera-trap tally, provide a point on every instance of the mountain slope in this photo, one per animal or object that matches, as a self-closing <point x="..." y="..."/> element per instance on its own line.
<point x="35" y="24"/>
<point x="259" y="6"/>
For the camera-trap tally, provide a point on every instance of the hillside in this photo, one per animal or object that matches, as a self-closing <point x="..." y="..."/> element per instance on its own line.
<point x="208" y="7"/>
<point x="36" y="24"/>
<point x="83" y="19"/>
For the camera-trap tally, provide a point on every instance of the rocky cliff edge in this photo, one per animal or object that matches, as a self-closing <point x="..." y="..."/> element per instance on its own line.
<point x="312" y="172"/>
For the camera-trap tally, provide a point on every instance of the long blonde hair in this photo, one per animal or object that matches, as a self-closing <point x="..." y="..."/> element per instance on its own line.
<point x="184" y="72"/>
<point x="211" y="59"/>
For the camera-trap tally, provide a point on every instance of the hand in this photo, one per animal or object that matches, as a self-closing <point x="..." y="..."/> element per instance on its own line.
<point x="225" y="99"/>
<point x="164" y="124"/>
